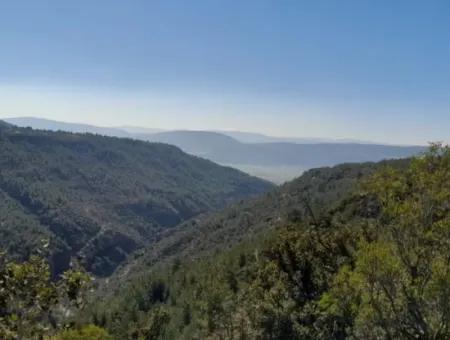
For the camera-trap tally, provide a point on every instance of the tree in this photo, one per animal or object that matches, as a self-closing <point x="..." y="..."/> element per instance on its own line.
<point x="399" y="286"/>
<point x="29" y="299"/>
<point x="155" y="325"/>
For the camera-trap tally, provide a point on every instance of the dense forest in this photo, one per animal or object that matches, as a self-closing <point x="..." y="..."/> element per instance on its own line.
<point x="101" y="198"/>
<point x="350" y="252"/>
<point x="374" y="265"/>
<point x="316" y="190"/>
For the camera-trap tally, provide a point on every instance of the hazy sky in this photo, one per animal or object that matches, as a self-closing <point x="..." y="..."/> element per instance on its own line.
<point x="372" y="70"/>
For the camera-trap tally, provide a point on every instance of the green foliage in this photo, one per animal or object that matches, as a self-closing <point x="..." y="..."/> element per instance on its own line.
<point x="351" y="252"/>
<point x="400" y="283"/>
<point x="316" y="192"/>
<point x="154" y="325"/>
<point x="101" y="198"/>
<point x="374" y="265"/>
<point x="31" y="305"/>
<point x="89" y="332"/>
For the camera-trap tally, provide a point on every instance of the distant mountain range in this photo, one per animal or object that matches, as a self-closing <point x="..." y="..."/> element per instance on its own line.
<point x="52" y="125"/>
<point x="272" y="158"/>
<point x="251" y="137"/>
<point x="227" y="150"/>
<point x="133" y="131"/>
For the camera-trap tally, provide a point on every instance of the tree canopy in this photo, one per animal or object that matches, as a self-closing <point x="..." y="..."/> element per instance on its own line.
<point x="374" y="266"/>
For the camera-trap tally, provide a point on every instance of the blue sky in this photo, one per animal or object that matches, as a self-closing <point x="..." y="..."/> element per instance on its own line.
<point x="372" y="70"/>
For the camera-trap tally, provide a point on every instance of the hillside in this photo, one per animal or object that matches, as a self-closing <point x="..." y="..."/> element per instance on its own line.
<point x="200" y="143"/>
<point x="101" y="198"/>
<point x="352" y="252"/>
<point x="315" y="192"/>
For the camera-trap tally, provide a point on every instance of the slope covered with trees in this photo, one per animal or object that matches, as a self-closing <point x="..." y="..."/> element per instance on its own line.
<point x="372" y="264"/>
<point x="101" y="198"/>
<point x="315" y="192"/>
<point x="357" y="251"/>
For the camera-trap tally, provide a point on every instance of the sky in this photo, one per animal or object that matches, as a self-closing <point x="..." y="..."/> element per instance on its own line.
<point x="368" y="70"/>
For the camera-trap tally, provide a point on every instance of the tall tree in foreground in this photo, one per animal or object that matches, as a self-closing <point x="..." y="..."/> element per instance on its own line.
<point x="32" y="306"/>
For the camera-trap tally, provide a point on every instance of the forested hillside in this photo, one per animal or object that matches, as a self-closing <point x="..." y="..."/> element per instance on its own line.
<point x="315" y="192"/>
<point x="350" y="252"/>
<point x="371" y="260"/>
<point x="101" y="198"/>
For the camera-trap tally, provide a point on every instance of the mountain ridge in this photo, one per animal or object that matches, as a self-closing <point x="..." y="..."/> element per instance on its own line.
<point x="271" y="158"/>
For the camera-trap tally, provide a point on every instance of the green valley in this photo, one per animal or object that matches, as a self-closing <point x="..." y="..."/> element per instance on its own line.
<point x="98" y="198"/>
